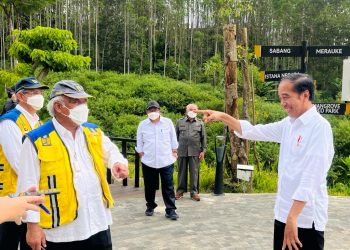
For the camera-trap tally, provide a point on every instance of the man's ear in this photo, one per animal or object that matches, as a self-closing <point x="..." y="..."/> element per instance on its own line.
<point x="20" y="97"/>
<point x="58" y="107"/>
<point x="306" y="94"/>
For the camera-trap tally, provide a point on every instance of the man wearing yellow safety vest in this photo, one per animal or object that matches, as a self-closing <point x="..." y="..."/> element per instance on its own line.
<point x="13" y="125"/>
<point x="71" y="155"/>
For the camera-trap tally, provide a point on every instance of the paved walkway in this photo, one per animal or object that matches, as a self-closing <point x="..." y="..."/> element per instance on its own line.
<point x="231" y="221"/>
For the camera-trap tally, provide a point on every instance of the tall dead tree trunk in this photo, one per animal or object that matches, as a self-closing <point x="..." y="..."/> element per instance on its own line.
<point x="246" y="90"/>
<point x="150" y="39"/>
<point x="75" y="33"/>
<point x="81" y="23"/>
<point x="256" y="157"/>
<point x="191" y="43"/>
<point x="165" y="45"/>
<point x="96" y="37"/>
<point x="67" y="10"/>
<point x="154" y="43"/>
<point x="89" y="30"/>
<point x="231" y="94"/>
<point x="125" y="39"/>
<point x="3" y="44"/>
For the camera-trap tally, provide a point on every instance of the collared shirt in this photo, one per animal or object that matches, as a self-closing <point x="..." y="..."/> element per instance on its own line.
<point x="306" y="154"/>
<point x="191" y="137"/>
<point x="93" y="216"/>
<point x="11" y="137"/>
<point x="156" y="141"/>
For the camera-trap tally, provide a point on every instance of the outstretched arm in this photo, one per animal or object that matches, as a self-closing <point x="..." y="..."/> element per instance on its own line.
<point x="212" y="115"/>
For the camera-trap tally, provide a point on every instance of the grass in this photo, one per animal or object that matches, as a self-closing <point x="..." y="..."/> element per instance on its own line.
<point x="265" y="182"/>
<point x="339" y="190"/>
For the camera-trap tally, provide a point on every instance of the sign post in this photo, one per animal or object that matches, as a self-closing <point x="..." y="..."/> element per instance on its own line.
<point x="304" y="51"/>
<point x="303" y="56"/>
<point x="327" y="51"/>
<point x="345" y="93"/>
<point x="277" y="75"/>
<point x="277" y="51"/>
<point x="333" y="108"/>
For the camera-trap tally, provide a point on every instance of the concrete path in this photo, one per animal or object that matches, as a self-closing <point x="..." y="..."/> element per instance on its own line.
<point x="231" y="221"/>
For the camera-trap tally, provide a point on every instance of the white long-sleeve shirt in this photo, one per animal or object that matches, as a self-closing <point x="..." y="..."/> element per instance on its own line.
<point x="156" y="141"/>
<point x="11" y="137"/>
<point x="93" y="216"/>
<point x="306" y="153"/>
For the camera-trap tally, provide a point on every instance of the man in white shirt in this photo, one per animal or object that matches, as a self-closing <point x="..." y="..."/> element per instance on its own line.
<point x="13" y="125"/>
<point x="69" y="154"/>
<point x="157" y="147"/>
<point x="306" y="153"/>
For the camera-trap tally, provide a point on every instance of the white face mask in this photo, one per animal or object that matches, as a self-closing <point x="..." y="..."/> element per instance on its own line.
<point x="153" y="115"/>
<point x="191" y="114"/>
<point x="79" y="114"/>
<point x="36" y="101"/>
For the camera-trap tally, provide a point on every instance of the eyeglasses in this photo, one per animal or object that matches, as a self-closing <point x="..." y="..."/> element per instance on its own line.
<point x="32" y="92"/>
<point x="76" y="100"/>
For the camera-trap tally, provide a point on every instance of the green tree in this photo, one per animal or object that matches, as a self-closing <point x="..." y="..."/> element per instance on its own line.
<point x="213" y="68"/>
<point x="17" y="8"/>
<point x="47" y="49"/>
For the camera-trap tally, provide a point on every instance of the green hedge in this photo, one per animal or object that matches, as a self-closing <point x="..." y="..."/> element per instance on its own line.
<point x="120" y="102"/>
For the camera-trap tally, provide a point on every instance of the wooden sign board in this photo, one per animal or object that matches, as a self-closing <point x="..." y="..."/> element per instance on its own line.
<point x="276" y="75"/>
<point x="325" y="51"/>
<point x="333" y="108"/>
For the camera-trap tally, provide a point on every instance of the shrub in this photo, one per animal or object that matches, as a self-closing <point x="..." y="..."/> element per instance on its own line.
<point x="265" y="181"/>
<point x="341" y="133"/>
<point x="120" y="102"/>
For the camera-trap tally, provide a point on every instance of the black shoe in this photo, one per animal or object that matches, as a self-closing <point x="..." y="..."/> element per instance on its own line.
<point x="172" y="215"/>
<point x="149" y="211"/>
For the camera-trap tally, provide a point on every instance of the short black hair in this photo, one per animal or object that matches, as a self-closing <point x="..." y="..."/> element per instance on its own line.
<point x="301" y="82"/>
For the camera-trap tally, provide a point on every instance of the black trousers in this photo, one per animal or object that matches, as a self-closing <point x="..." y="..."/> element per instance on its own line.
<point x="12" y="235"/>
<point x="309" y="237"/>
<point x="99" y="241"/>
<point x="150" y="177"/>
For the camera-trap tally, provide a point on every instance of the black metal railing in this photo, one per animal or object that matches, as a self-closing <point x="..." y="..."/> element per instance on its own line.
<point x="126" y="145"/>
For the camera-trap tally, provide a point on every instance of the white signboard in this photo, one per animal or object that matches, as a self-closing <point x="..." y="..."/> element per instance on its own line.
<point x="244" y="172"/>
<point x="345" y="94"/>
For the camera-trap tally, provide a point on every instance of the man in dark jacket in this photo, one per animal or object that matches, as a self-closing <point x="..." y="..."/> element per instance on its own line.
<point x="192" y="140"/>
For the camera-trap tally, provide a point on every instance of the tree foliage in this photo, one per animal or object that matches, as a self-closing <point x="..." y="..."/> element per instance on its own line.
<point x="48" y="49"/>
<point x="177" y="38"/>
<point x="181" y="39"/>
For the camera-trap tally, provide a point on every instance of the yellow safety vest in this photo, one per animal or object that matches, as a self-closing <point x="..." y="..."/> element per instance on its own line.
<point x="56" y="172"/>
<point x="8" y="177"/>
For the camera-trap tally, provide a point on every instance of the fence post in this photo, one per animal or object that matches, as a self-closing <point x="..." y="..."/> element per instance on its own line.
<point x="219" y="175"/>
<point x="124" y="153"/>
<point x="137" y="170"/>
